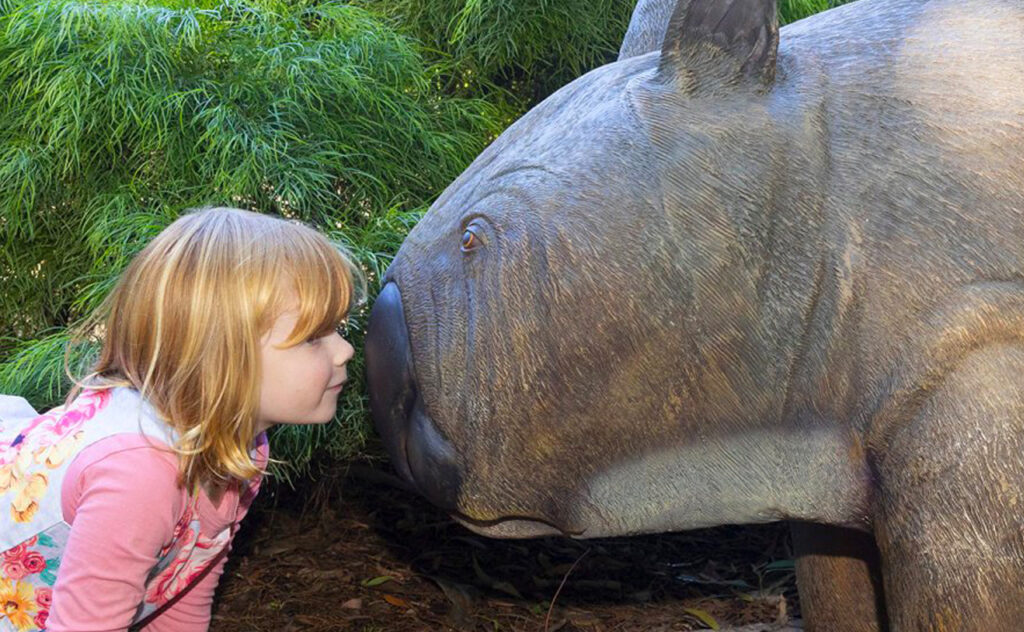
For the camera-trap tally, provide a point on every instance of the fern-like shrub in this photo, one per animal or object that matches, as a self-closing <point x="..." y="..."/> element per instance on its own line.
<point x="116" y="116"/>
<point x="531" y="47"/>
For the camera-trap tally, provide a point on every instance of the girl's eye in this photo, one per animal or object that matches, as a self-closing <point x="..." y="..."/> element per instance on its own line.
<point x="470" y="241"/>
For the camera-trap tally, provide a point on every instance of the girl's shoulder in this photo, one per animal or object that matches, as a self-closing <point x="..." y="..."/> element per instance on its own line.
<point x="120" y="410"/>
<point x="121" y="437"/>
<point x="126" y="469"/>
<point x="129" y="449"/>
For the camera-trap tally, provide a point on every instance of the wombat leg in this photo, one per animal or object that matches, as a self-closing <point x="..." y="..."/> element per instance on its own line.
<point x="839" y="578"/>
<point x="949" y="513"/>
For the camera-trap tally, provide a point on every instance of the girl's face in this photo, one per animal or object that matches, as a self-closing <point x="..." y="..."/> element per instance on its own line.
<point x="300" y="384"/>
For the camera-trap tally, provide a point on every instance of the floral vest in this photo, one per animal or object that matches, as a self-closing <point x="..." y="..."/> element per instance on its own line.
<point x="35" y="452"/>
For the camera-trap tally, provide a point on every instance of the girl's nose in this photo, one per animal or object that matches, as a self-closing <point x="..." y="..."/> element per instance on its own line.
<point x="344" y="351"/>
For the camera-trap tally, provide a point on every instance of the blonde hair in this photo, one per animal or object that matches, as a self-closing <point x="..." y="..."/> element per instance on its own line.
<point x="183" y="325"/>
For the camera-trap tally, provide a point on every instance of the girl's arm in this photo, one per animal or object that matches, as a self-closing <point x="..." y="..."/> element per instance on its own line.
<point x="191" y="611"/>
<point x="122" y="500"/>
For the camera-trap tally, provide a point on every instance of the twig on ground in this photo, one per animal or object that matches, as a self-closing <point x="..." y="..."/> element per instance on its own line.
<point x="547" y="619"/>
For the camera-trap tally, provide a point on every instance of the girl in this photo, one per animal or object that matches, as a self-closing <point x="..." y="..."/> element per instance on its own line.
<point x="118" y="509"/>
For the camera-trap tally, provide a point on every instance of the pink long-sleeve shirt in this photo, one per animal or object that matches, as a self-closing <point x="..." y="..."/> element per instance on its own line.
<point x="122" y="500"/>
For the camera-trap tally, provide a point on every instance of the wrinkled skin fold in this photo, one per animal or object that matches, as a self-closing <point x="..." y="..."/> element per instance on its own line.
<point x="741" y="275"/>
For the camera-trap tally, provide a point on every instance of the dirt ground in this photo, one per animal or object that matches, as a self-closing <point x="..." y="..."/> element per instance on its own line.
<point x="380" y="558"/>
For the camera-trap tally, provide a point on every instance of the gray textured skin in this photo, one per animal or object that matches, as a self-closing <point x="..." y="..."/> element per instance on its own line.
<point x="647" y="27"/>
<point x="712" y="288"/>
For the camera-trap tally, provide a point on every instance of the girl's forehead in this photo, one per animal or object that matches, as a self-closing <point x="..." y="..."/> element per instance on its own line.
<point x="285" y="317"/>
<point x="304" y="313"/>
<point x="284" y="302"/>
<point x="288" y="299"/>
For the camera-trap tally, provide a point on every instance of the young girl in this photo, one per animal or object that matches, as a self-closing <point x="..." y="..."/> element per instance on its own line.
<point x="118" y="509"/>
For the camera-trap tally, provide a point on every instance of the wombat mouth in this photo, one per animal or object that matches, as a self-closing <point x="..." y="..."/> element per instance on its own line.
<point x="513" y="527"/>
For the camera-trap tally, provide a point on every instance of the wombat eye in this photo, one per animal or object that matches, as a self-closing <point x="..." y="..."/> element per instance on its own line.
<point x="470" y="241"/>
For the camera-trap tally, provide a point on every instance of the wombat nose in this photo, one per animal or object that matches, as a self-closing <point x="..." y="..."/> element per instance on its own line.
<point x="418" y="451"/>
<point x="390" y="379"/>
<point x="432" y="460"/>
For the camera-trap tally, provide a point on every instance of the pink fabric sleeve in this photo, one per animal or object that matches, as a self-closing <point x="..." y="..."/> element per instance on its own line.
<point x="122" y="500"/>
<point x="191" y="612"/>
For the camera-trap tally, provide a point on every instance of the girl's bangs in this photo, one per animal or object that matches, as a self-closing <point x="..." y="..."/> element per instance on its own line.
<point x="323" y="288"/>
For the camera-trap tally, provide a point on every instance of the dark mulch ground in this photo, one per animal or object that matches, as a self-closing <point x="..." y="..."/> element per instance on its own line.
<point x="382" y="559"/>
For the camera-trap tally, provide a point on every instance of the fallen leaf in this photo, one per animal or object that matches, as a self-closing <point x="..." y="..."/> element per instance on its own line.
<point x="377" y="581"/>
<point x="338" y="574"/>
<point x="704" y="617"/>
<point x="398" y="602"/>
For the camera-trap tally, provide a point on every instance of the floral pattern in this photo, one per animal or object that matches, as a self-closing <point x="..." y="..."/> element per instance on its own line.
<point x="189" y="563"/>
<point x="27" y="573"/>
<point x="187" y="558"/>
<point x="17" y="598"/>
<point x="29" y="461"/>
<point x="45" y="444"/>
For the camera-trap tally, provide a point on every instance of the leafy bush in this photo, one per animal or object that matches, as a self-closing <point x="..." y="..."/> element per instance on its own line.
<point x="116" y="116"/>
<point x="532" y="47"/>
<point x="793" y="10"/>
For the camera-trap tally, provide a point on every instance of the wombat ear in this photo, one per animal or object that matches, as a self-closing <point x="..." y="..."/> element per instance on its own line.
<point x="715" y="44"/>
<point x="646" y="28"/>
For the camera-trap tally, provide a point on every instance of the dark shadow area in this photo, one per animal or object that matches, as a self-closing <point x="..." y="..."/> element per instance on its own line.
<point x="380" y="558"/>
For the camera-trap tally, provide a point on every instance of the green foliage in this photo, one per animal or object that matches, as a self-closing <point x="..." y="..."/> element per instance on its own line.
<point x="532" y="47"/>
<point x="793" y="10"/>
<point x="117" y="116"/>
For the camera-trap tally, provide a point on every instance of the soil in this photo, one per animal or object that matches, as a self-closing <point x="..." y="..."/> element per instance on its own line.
<point x="379" y="558"/>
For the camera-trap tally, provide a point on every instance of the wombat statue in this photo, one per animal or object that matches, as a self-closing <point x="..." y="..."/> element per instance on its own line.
<point x="742" y="275"/>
